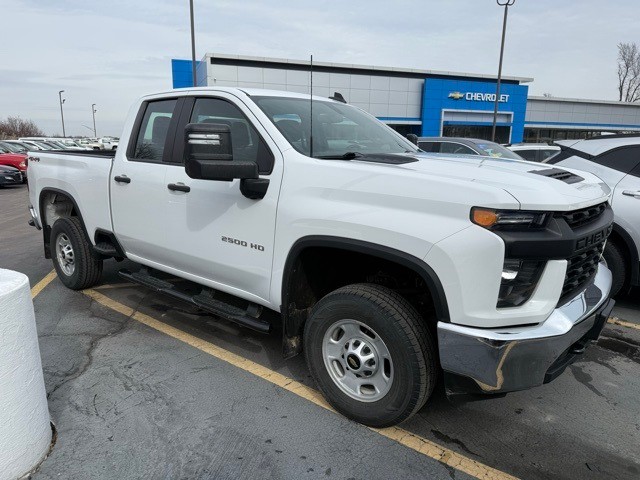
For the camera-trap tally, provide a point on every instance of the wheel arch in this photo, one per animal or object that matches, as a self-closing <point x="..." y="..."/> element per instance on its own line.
<point x="621" y="237"/>
<point x="293" y="318"/>
<point x="67" y="208"/>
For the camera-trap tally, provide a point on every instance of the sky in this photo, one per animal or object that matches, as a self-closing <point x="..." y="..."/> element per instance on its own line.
<point x="110" y="53"/>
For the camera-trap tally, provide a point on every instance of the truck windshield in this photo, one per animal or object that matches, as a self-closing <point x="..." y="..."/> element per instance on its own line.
<point x="339" y="130"/>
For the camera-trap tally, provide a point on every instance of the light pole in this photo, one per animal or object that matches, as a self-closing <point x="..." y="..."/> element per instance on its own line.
<point x="64" y="135"/>
<point x="506" y="4"/>
<point x="93" y="111"/>
<point x="193" y="44"/>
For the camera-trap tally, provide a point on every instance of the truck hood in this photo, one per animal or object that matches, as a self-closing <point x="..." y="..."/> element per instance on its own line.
<point x="535" y="186"/>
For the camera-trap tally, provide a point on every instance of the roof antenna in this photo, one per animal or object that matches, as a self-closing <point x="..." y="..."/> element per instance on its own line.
<point x="311" y="109"/>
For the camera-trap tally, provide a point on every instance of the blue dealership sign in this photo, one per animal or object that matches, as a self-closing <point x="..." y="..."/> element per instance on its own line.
<point x="476" y="98"/>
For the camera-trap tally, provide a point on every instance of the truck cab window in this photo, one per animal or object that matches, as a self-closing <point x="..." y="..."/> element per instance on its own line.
<point x="153" y="130"/>
<point x="246" y="143"/>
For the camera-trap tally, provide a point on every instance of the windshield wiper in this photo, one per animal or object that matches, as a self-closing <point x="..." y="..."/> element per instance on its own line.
<point x="345" y="156"/>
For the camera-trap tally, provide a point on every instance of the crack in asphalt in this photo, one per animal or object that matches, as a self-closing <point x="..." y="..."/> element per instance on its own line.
<point x="94" y="342"/>
<point x="443" y="437"/>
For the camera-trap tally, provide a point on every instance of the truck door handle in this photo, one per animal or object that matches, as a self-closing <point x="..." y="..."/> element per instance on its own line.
<point x="179" y="187"/>
<point x="122" y="179"/>
<point x="631" y="193"/>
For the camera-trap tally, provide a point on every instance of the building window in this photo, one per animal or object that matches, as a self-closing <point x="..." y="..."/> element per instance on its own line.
<point x="483" y="132"/>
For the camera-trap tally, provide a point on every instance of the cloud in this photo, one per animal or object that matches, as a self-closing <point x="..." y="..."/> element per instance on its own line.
<point x="111" y="53"/>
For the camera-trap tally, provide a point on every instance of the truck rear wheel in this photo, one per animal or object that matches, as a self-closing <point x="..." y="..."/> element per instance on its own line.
<point x="370" y="354"/>
<point x="72" y="256"/>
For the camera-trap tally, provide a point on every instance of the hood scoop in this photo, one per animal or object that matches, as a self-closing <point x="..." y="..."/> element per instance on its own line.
<point x="559" y="174"/>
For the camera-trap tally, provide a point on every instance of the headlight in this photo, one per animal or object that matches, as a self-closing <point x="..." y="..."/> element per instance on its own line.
<point x="23" y="164"/>
<point x="508" y="219"/>
<point x="519" y="280"/>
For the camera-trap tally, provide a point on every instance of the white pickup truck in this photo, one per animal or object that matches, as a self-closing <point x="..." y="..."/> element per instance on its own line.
<point x="384" y="264"/>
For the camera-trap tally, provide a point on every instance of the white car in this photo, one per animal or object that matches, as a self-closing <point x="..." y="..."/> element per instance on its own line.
<point x="535" y="152"/>
<point x="616" y="160"/>
<point x="108" y="143"/>
<point x="383" y="263"/>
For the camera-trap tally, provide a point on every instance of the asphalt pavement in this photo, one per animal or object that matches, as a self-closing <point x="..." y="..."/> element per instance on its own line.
<point x="134" y="400"/>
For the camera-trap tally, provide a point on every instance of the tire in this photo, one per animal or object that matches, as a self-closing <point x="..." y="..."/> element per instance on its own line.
<point x="379" y="319"/>
<point x="72" y="256"/>
<point x="617" y="264"/>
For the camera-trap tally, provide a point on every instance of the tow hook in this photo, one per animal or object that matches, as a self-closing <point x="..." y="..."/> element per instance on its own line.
<point x="578" y="348"/>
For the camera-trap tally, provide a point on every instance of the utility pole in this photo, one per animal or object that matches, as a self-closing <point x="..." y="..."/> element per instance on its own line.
<point x="61" y="112"/>
<point x="506" y="4"/>
<point x="193" y="45"/>
<point x="93" y="111"/>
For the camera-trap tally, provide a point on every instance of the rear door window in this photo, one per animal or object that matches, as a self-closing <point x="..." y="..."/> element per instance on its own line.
<point x="636" y="171"/>
<point x="153" y="131"/>
<point x="623" y="159"/>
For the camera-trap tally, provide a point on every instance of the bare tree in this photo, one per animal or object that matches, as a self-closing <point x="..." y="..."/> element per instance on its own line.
<point x="14" y="127"/>
<point x="628" y="72"/>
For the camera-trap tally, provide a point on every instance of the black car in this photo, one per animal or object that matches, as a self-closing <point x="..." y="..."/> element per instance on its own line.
<point x="9" y="176"/>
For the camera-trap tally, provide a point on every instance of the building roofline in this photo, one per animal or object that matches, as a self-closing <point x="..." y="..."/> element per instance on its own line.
<point x="582" y="100"/>
<point x="228" y="59"/>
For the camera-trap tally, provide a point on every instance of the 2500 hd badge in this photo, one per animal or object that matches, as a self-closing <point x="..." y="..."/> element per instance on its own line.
<point x="243" y="243"/>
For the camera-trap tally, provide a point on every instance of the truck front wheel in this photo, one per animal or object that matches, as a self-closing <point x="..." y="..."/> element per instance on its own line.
<point x="72" y="256"/>
<point x="618" y="266"/>
<point x="370" y="354"/>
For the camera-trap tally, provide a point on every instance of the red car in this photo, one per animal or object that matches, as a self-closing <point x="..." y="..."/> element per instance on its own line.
<point x="17" y="160"/>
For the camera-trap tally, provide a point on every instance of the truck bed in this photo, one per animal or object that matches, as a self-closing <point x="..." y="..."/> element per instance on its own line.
<point x="84" y="176"/>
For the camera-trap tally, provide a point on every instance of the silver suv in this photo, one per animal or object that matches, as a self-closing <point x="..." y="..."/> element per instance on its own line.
<point x="616" y="160"/>
<point x="465" y="146"/>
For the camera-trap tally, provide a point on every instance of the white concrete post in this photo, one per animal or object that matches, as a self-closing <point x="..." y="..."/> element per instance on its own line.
<point x="25" y="430"/>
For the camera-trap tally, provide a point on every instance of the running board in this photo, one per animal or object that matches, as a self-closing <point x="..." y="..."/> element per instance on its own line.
<point x="247" y="317"/>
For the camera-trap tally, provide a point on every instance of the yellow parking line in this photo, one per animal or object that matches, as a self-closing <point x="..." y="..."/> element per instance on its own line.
<point x="38" y="287"/>
<point x="397" y="434"/>
<point x="622" y="323"/>
<point x="109" y="286"/>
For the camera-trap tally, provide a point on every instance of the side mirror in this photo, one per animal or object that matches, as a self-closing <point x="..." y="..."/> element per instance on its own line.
<point x="208" y="154"/>
<point x="413" y="138"/>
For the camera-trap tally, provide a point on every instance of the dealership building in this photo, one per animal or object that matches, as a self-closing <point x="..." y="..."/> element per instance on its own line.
<point x="424" y="102"/>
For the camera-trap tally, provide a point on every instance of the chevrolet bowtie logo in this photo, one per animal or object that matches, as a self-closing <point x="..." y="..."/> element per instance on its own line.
<point x="456" y="95"/>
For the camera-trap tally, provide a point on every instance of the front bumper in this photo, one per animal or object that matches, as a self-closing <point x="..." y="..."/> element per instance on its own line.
<point x="491" y="361"/>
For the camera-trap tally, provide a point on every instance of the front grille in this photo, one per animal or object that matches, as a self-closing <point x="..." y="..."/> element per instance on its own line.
<point x="578" y="218"/>
<point x="581" y="269"/>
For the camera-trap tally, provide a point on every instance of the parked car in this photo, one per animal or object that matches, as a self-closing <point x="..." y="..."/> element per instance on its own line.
<point x="10" y="176"/>
<point x="465" y="146"/>
<point x="535" y="152"/>
<point x="384" y="264"/>
<point x="25" y="147"/>
<point x="16" y="160"/>
<point x="108" y="143"/>
<point x="36" y="145"/>
<point x="12" y="147"/>
<point x="616" y="160"/>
